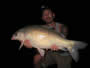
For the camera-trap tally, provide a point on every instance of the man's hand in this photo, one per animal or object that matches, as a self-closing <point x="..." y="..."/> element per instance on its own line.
<point x="54" y="47"/>
<point x="27" y="44"/>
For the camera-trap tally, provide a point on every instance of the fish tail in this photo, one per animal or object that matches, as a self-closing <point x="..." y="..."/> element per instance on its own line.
<point x="79" y="45"/>
<point x="74" y="52"/>
<point x="75" y="55"/>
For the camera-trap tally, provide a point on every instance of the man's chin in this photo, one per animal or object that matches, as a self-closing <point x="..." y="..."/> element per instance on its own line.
<point x="48" y="22"/>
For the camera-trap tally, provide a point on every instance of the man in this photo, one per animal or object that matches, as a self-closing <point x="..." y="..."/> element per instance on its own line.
<point x="53" y="56"/>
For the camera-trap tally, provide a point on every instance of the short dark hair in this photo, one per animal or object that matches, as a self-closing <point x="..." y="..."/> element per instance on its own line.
<point x="43" y="9"/>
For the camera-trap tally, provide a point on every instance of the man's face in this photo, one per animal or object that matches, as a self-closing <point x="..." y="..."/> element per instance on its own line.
<point x="47" y="16"/>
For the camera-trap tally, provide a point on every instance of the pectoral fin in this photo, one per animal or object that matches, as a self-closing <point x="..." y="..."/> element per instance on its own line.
<point x="21" y="45"/>
<point x="41" y="51"/>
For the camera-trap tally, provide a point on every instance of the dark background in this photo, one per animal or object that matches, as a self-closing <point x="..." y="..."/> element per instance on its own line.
<point x="18" y="14"/>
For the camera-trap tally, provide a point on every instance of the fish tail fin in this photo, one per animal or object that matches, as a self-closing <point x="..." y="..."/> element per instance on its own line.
<point x="75" y="55"/>
<point x="74" y="52"/>
<point x="79" y="45"/>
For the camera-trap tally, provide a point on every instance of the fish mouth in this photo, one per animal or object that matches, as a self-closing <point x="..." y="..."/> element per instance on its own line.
<point x="12" y="38"/>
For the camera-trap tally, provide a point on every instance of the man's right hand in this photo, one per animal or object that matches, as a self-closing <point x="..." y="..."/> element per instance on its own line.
<point x="54" y="47"/>
<point x="27" y="44"/>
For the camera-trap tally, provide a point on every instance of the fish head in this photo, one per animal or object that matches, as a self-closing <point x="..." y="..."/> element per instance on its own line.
<point x="18" y="36"/>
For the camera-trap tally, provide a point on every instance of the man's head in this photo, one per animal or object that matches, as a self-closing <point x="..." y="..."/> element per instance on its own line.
<point x="48" y="16"/>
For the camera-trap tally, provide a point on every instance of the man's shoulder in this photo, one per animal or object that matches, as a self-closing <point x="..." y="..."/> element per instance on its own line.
<point x="59" y="23"/>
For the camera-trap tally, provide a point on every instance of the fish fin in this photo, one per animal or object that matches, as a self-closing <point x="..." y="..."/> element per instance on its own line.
<point x="21" y="45"/>
<point x="74" y="50"/>
<point x="75" y="55"/>
<point x="79" y="45"/>
<point x="41" y="51"/>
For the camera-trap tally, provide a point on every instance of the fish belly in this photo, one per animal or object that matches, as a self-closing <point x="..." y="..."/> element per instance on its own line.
<point x="39" y="39"/>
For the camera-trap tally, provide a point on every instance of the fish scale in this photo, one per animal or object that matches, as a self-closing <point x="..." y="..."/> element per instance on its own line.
<point x="42" y="37"/>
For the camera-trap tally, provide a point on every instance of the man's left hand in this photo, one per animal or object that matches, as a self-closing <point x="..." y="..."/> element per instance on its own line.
<point x="54" y="47"/>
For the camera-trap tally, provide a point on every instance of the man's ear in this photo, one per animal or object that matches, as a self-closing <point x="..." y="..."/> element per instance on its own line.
<point x="54" y="15"/>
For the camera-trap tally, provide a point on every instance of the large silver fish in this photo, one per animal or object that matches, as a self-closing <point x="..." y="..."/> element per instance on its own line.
<point x="42" y="37"/>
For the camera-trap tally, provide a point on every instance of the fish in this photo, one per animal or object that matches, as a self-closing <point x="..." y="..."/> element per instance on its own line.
<point x="42" y="37"/>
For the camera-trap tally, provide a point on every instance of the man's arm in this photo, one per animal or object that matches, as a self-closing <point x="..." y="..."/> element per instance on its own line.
<point x="64" y="32"/>
<point x="27" y="43"/>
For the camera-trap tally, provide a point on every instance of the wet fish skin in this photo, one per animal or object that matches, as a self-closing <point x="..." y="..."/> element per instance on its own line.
<point x="43" y="38"/>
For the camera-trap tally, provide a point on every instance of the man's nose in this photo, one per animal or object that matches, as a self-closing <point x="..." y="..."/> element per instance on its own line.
<point x="50" y="15"/>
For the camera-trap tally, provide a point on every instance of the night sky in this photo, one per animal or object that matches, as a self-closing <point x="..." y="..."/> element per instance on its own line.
<point x="19" y="14"/>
